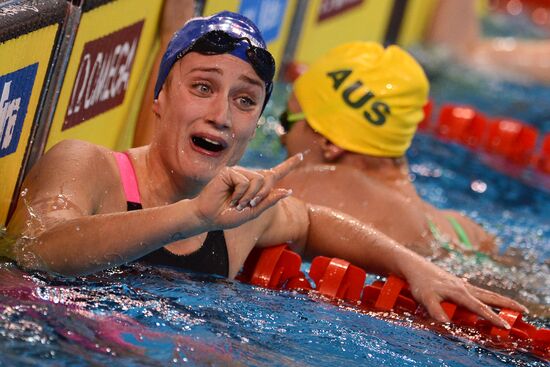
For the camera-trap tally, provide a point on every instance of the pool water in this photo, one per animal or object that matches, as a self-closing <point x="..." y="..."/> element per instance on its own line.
<point x="138" y="316"/>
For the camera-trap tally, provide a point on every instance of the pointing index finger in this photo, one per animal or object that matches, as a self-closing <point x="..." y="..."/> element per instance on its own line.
<point x="282" y="169"/>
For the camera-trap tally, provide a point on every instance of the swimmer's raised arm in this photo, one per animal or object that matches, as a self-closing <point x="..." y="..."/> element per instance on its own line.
<point x="74" y="222"/>
<point x="462" y="35"/>
<point x="222" y="201"/>
<point x="316" y="230"/>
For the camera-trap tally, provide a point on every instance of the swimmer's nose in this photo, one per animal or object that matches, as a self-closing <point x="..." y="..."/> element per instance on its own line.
<point x="219" y="113"/>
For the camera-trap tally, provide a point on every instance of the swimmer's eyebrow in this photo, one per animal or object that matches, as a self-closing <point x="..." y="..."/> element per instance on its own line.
<point x="206" y="69"/>
<point x="242" y="77"/>
<point x="251" y="81"/>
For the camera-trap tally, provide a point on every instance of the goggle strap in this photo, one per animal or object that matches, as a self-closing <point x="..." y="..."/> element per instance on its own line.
<point x="293" y="117"/>
<point x="261" y="60"/>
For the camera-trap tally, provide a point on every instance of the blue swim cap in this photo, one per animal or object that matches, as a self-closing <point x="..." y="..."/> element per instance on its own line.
<point x="235" y="25"/>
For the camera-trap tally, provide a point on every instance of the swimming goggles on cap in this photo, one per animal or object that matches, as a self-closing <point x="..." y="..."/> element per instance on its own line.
<point x="288" y="119"/>
<point x="219" y="42"/>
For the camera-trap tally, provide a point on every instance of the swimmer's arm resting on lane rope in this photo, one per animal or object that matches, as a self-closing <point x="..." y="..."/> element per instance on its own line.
<point x="315" y="230"/>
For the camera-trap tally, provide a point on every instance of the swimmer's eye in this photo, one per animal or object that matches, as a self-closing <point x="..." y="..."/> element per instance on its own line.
<point x="202" y="88"/>
<point x="246" y="102"/>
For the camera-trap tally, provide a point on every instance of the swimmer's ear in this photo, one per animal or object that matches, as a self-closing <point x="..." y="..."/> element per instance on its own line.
<point x="156" y="108"/>
<point x="331" y="152"/>
<point x="282" y="139"/>
<point x="256" y="129"/>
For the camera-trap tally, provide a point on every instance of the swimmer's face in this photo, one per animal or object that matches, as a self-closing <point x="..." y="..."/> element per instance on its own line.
<point x="301" y="137"/>
<point x="208" y="111"/>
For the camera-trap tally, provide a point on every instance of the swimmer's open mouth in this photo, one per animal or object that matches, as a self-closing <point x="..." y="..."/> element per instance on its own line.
<point x="208" y="144"/>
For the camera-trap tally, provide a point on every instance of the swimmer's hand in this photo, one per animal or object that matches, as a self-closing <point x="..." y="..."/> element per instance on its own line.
<point x="237" y="195"/>
<point x="430" y="285"/>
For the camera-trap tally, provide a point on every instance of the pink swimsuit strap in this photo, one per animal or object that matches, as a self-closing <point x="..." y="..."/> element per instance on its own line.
<point x="128" y="176"/>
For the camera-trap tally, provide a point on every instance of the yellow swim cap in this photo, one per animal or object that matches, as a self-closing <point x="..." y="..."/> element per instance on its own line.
<point x="364" y="98"/>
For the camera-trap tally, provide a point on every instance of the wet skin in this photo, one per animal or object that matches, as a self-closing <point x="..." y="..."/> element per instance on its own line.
<point x="377" y="191"/>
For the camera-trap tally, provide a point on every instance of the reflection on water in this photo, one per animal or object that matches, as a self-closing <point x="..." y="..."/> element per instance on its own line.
<point x="138" y="315"/>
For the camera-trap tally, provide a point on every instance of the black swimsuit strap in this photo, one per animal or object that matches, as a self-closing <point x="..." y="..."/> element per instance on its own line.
<point x="211" y="257"/>
<point x="133" y="206"/>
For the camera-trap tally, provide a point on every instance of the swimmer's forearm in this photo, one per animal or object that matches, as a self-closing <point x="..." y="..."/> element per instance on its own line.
<point x="527" y="59"/>
<point x="334" y="234"/>
<point x="442" y="30"/>
<point x="341" y="236"/>
<point x="93" y="243"/>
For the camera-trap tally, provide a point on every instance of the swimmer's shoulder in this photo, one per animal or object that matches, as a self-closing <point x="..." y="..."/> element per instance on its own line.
<point x="340" y="181"/>
<point x="73" y="149"/>
<point x="325" y="172"/>
<point x="78" y="148"/>
<point x="71" y="157"/>
<point x="345" y="188"/>
<point x="75" y="167"/>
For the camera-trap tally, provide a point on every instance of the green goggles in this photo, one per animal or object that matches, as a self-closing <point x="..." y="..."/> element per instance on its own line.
<point x="288" y="119"/>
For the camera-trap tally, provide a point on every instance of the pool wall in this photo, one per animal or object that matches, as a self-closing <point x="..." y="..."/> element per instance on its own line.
<point x="70" y="70"/>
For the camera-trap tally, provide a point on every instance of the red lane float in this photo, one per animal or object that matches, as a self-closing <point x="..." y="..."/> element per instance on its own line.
<point x="336" y="278"/>
<point x="393" y="294"/>
<point x="271" y="267"/>
<point x="513" y="140"/>
<point x="278" y="267"/>
<point x="462" y="124"/>
<point x="543" y="158"/>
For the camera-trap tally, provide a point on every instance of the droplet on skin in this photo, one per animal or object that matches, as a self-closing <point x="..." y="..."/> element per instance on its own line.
<point x="478" y="186"/>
